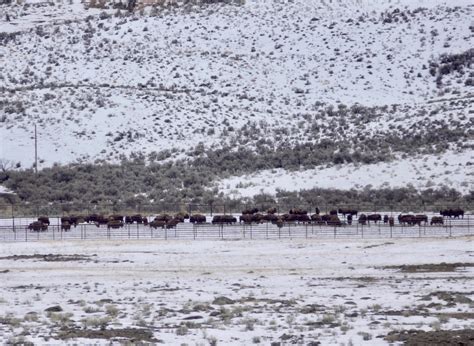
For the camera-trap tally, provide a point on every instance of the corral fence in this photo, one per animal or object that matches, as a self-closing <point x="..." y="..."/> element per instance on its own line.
<point x="107" y="208"/>
<point x="16" y="229"/>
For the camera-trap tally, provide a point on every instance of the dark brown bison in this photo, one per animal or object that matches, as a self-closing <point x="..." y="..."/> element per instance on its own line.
<point x="437" y="220"/>
<point x="298" y="211"/>
<point x="250" y="211"/>
<point x="138" y="218"/>
<point x="77" y="219"/>
<point x="224" y="219"/>
<point x="66" y="219"/>
<point x="374" y="217"/>
<point x="96" y="218"/>
<point x="157" y="224"/>
<point x="182" y="215"/>
<point x="347" y="211"/>
<point x="316" y="218"/>
<point x="325" y="218"/>
<point x="334" y="221"/>
<point x="197" y="218"/>
<point x="362" y="219"/>
<point x="114" y="224"/>
<point x="272" y="211"/>
<point x="391" y="221"/>
<point x="349" y="219"/>
<point x="279" y="222"/>
<point x="333" y="212"/>
<point x="65" y="226"/>
<point x="163" y="217"/>
<point x="173" y="223"/>
<point x="116" y="217"/>
<point x="270" y="217"/>
<point x="407" y="219"/>
<point x="456" y="213"/>
<point x="38" y="226"/>
<point x="44" y="220"/>
<point x="385" y="218"/>
<point x="421" y="218"/>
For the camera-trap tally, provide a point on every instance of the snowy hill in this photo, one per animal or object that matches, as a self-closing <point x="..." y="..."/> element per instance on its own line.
<point x="101" y="84"/>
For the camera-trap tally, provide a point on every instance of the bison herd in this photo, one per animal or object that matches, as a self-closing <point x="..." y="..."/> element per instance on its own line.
<point x="249" y="216"/>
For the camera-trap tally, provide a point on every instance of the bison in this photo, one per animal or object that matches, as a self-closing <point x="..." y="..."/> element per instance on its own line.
<point x="197" y="218"/>
<point x="456" y="213"/>
<point x="38" y="226"/>
<point x="44" y="220"/>
<point x="65" y="226"/>
<point x="163" y="217"/>
<point x="224" y="219"/>
<point x="157" y="224"/>
<point x="374" y="217"/>
<point x="114" y="224"/>
<point x="347" y="211"/>
<point x="437" y="220"/>
<point x="298" y="211"/>
<point x="362" y="219"/>
<point x="250" y="211"/>
<point x="334" y="221"/>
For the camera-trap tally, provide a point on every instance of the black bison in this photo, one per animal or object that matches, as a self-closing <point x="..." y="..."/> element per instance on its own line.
<point x="333" y="212"/>
<point x="97" y="219"/>
<point x="138" y="218"/>
<point x="385" y="218"/>
<point x="157" y="224"/>
<point x="114" y="224"/>
<point x="65" y="226"/>
<point x="362" y="219"/>
<point x="374" y="217"/>
<point x="391" y="221"/>
<point x="163" y="217"/>
<point x="437" y="220"/>
<point x="347" y="211"/>
<point x="298" y="211"/>
<point x="38" y="226"/>
<point x="224" y="219"/>
<point x="116" y="217"/>
<point x="44" y="220"/>
<point x="349" y="219"/>
<point x="197" y="218"/>
<point x="456" y="213"/>
<point x="182" y="215"/>
<point x="272" y="211"/>
<point x="334" y="221"/>
<point x="250" y="211"/>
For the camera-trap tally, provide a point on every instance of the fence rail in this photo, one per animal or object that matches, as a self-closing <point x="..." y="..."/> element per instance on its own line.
<point x="12" y="230"/>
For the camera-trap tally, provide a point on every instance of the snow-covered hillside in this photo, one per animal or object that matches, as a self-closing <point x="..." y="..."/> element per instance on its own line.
<point x="101" y="84"/>
<point x="427" y="171"/>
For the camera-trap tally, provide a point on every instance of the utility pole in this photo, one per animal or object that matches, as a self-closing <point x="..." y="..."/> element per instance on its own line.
<point x="36" y="152"/>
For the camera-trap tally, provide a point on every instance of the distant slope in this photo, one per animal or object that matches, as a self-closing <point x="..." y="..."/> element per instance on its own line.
<point x="299" y="84"/>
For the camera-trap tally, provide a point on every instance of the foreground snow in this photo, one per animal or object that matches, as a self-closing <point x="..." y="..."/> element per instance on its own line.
<point x="289" y="291"/>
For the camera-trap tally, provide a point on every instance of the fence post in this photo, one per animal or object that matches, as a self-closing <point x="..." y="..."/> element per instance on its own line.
<point x="334" y="232"/>
<point x="26" y="234"/>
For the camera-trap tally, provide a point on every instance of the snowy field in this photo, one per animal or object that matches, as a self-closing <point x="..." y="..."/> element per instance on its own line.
<point x="305" y="291"/>
<point x="424" y="171"/>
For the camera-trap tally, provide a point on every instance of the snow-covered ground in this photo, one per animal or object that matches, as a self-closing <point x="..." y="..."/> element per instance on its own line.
<point x="99" y="88"/>
<point x="234" y="292"/>
<point x="452" y="169"/>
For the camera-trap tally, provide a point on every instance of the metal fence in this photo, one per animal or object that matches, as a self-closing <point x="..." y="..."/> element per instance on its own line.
<point x="231" y="207"/>
<point x="16" y="229"/>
